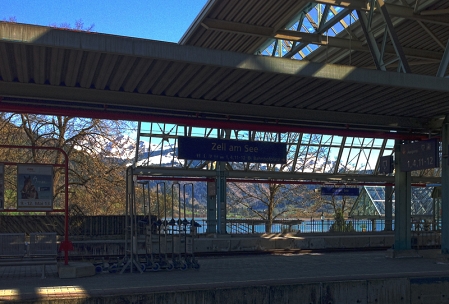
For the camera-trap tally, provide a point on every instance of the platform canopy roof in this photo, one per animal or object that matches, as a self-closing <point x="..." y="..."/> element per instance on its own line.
<point x="218" y="76"/>
<point x="416" y="31"/>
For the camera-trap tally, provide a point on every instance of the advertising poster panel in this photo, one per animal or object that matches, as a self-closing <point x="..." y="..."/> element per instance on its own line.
<point x="2" y="186"/>
<point x="35" y="187"/>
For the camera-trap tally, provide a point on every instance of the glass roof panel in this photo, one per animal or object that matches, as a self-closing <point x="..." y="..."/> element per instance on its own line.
<point x="421" y="201"/>
<point x="311" y="20"/>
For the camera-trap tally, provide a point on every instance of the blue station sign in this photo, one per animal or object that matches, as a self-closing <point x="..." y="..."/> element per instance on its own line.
<point x="231" y="150"/>
<point x="340" y="191"/>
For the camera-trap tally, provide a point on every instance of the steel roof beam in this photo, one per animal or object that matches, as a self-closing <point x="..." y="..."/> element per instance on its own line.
<point x="329" y="177"/>
<point x="435" y="12"/>
<point x="371" y="41"/>
<point x="352" y="4"/>
<point x="409" y="13"/>
<point x="353" y="44"/>
<point x="192" y="105"/>
<point x="337" y="18"/>
<point x="436" y="17"/>
<point x="393" y="36"/>
<point x="313" y="38"/>
<point x="444" y="62"/>
<point x="235" y="27"/>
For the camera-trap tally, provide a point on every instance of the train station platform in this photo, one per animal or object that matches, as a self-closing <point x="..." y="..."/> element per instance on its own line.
<point x="234" y="243"/>
<point x="327" y="277"/>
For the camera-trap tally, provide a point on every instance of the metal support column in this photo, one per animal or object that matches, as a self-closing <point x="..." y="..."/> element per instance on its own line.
<point x="388" y="208"/>
<point x="402" y="219"/>
<point x="445" y="188"/>
<point x="221" y="198"/>
<point x="130" y="225"/>
<point x="211" y="207"/>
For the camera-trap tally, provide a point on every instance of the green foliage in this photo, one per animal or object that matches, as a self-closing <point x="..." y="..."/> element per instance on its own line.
<point x="340" y="225"/>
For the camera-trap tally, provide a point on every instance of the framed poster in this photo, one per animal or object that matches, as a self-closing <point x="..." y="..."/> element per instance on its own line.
<point x="2" y="186"/>
<point x="34" y="187"/>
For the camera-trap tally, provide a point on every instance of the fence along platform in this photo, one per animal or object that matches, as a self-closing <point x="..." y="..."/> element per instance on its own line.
<point x="41" y="250"/>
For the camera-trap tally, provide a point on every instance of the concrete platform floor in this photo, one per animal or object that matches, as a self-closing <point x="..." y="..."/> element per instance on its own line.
<point x="21" y="284"/>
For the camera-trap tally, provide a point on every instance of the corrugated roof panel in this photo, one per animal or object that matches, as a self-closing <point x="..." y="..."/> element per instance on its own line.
<point x="324" y="96"/>
<point x="354" y="105"/>
<point x="89" y="65"/>
<point x="280" y="11"/>
<point x="121" y="71"/>
<point x="165" y="81"/>
<point x="57" y="61"/>
<point x="5" y="63"/>
<point x="242" y="80"/>
<point x="284" y="84"/>
<point x="20" y="51"/>
<point x="395" y="104"/>
<point x="182" y="79"/>
<point x="224" y="41"/>
<point x="139" y="69"/>
<point x="304" y="98"/>
<point x="339" y="97"/>
<point x="295" y="89"/>
<point x="73" y="66"/>
<point x="214" y="81"/>
<point x="235" y="9"/>
<point x="263" y="15"/>
<point x="436" y="109"/>
<point x="153" y="75"/>
<point x="410" y="102"/>
<point x="201" y="77"/>
<point x="416" y="107"/>
<point x="259" y="7"/>
<point x="38" y="60"/>
<point x="247" y="45"/>
<point x="106" y="66"/>
<point x="271" y="83"/>
<point x="258" y="82"/>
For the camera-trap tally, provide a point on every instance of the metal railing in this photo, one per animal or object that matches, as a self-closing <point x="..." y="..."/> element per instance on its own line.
<point x="303" y="226"/>
<point x="114" y="225"/>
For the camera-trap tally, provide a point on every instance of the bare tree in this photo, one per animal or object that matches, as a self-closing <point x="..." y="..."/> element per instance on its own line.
<point x="268" y="200"/>
<point x="319" y="203"/>
<point x="97" y="157"/>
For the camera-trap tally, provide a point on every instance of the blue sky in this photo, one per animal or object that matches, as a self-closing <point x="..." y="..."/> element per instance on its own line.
<point x="151" y="19"/>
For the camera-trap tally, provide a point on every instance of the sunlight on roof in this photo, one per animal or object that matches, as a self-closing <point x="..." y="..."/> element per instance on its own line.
<point x="333" y="72"/>
<point x="9" y="32"/>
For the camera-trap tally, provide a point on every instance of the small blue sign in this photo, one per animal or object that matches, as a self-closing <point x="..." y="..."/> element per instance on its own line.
<point x="340" y="191"/>
<point x="231" y="150"/>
